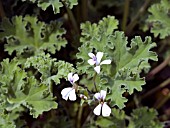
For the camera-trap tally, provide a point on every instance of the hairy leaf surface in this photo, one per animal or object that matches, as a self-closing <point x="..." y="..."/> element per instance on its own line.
<point x="145" y="118"/>
<point x="50" y="69"/>
<point x="160" y="18"/>
<point x="17" y="89"/>
<point x="56" y="4"/>
<point x="30" y="36"/>
<point x="128" y="58"/>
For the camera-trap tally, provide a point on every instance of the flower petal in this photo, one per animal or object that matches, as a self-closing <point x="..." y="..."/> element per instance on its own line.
<point x="70" y="76"/>
<point x="97" y="69"/>
<point x="106" y="62"/>
<point x="99" y="56"/>
<point x="83" y="97"/>
<point x="91" y="55"/>
<point x="106" y="110"/>
<point x="66" y="92"/>
<point x="103" y="94"/>
<point x="72" y="95"/>
<point x="75" y="77"/>
<point x="97" y="110"/>
<point x="91" y="61"/>
<point x="97" y="96"/>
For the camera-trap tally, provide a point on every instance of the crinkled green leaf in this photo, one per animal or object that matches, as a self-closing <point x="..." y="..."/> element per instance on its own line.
<point x="62" y="71"/>
<point x="11" y="119"/>
<point x="128" y="58"/>
<point x="145" y="118"/>
<point x="160" y="18"/>
<point x="56" y="4"/>
<point x="34" y="96"/>
<point x="50" y="69"/>
<point x="11" y="75"/>
<point x="43" y="63"/>
<point x="30" y="36"/>
<point x="17" y="89"/>
<point x="6" y="122"/>
<point x="94" y="36"/>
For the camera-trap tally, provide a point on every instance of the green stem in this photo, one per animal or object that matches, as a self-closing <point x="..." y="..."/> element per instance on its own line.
<point x="159" y="67"/>
<point x="165" y="83"/>
<point x="94" y="81"/>
<point x="2" y="12"/>
<point x="72" y="19"/>
<point x="88" y="118"/>
<point x="136" y="101"/>
<point x="84" y="10"/>
<point x="79" y="116"/>
<point x="162" y="101"/>
<point x="125" y="14"/>
<point x="136" y="17"/>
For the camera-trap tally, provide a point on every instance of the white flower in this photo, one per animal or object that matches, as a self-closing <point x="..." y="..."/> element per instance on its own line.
<point x="106" y="110"/>
<point x="69" y="92"/>
<point x="83" y="97"/>
<point x="72" y="78"/>
<point x="97" y="61"/>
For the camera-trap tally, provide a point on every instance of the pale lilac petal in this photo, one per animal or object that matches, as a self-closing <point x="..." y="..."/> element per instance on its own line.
<point x="97" y="69"/>
<point x="97" y="110"/>
<point x="75" y="78"/>
<point x="72" y="95"/>
<point x="106" y="62"/>
<point x="91" y="55"/>
<point x="97" y="96"/>
<point x="106" y="110"/>
<point x="99" y="56"/>
<point x="103" y="94"/>
<point x="66" y="92"/>
<point x="70" y="76"/>
<point x="91" y="61"/>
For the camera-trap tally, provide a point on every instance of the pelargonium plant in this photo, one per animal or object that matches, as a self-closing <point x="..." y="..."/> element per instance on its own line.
<point x="64" y="66"/>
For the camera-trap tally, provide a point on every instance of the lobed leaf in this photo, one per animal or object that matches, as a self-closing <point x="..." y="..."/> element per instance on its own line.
<point x="149" y="116"/>
<point x="56" y="4"/>
<point x="34" y="96"/>
<point x="17" y="89"/>
<point x="30" y="36"/>
<point x="49" y="68"/>
<point x="128" y="58"/>
<point x="160" y="19"/>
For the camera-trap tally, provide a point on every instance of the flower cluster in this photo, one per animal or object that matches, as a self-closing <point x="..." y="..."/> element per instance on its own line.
<point x="70" y="92"/>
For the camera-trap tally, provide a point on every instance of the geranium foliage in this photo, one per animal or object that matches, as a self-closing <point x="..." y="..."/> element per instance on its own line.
<point x="50" y="69"/>
<point x="136" y="120"/>
<point x="30" y="36"/>
<point x="18" y="89"/>
<point x="145" y="115"/>
<point x="56" y="4"/>
<point x="65" y="67"/>
<point x="160" y="19"/>
<point x="127" y="61"/>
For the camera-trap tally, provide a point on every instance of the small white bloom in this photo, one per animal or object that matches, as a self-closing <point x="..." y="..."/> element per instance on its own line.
<point x="72" y="78"/>
<point x="102" y="107"/>
<point x="68" y="93"/>
<point x="96" y="60"/>
<point x="83" y="97"/>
